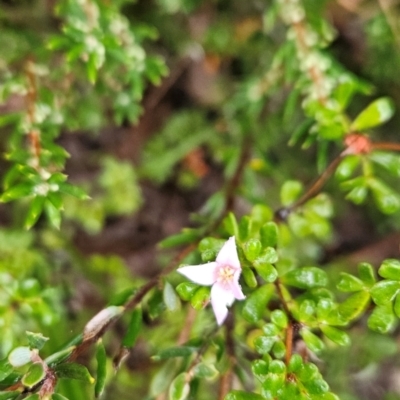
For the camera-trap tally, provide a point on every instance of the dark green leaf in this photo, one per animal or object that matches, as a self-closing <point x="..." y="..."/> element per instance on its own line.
<point x="60" y="356"/>
<point x="269" y="234"/>
<point x="73" y="371"/>
<point x="172" y="352"/>
<point x="34" y="211"/>
<point x="134" y="328"/>
<point x="101" y="374"/>
<point x="5" y="369"/>
<point x="36" y="340"/>
<point x="230" y="224"/>
<point x="185" y="237"/>
<point x="9" y="395"/>
<point x="244" y="228"/>
<point x="255" y="304"/>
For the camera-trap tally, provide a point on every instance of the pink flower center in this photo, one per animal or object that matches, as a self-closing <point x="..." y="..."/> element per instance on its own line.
<point x="224" y="274"/>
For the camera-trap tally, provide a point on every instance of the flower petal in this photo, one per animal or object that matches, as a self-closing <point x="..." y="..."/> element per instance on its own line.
<point x="228" y="254"/>
<point x="236" y="290"/>
<point x="203" y="274"/>
<point x="220" y="299"/>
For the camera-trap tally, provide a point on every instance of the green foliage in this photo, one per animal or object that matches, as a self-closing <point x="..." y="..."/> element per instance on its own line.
<point x="257" y="100"/>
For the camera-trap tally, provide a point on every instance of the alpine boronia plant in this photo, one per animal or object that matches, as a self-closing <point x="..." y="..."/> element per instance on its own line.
<point x="255" y="133"/>
<point x="223" y="274"/>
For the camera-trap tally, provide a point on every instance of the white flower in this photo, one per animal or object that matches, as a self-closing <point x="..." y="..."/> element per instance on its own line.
<point x="223" y="275"/>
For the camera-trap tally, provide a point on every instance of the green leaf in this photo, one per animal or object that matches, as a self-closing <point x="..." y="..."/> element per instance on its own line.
<point x="396" y="306"/>
<point x="249" y="277"/>
<point x="376" y="113"/>
<point x="367" y="273"/>
<point x="244" y="228"/>
<point x="58" y="396"/>
<point x="53" y="214"/>
<point x="384" y="292"/>
<point x="186" y="290"/>
<point x="279" y="318"/>
<point x="255" y="304"/>
<point x="172" y="352"/>
<point x="34" y="211"/>
<point x="355" y="305"/>
<point x="5" y="369"/>
<point x="134" y="327"/>
<point x="263" y="344"/>
<point x="36" y="340"/>
<point x="73" y="371"/>
<point x="358" y="194"/>
<point x="313" y="342"/>
<point x="9" y="395"/>
<point x="101" y="373"/>
<point x="279" y="349"/>
<point x="347" y="166"/>
<point x="252" y="249"/>
<point x="349" y="283"/>
<point x="336" y="335"/>
<point x="179" y="389"/>
<point x="267" y="271"/>
<point x="290" y="191"/>
<point x="386" y="199"/>
<point x="307" y="311"/>
<point x="269" y="256"/>
<point x="241" y="395"/>
<point x="35" y="374"/>
<point x="170" y="297"/>
<point x="205" y="371"/>
<point x="200" y="298"/>
<point x="20" y="356"/>
<point x="390" y="269"/>
<point x="17" y="192"/>
<point x="60" y="356"/>
<point x="230" y="225"/>
<point x="306" y="278"/>
<point x="382" y="319"/>
<point x="73" y="191"/>
<point x="187" y="236"/>
<point x="269" y="234"/>
<point x="259" y="367"/>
